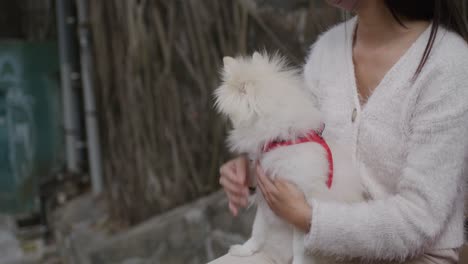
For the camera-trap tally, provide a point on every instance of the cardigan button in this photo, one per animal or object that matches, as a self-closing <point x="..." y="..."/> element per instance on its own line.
<point x="354" y="115"/>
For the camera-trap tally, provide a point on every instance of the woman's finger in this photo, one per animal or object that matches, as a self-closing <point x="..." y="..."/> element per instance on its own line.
<point x="228" y="172"/>
<point x="233" y="209"/>
<point x="239" y="198"/>
<point x="262" y="187"/>
<point x="266" y="194"/>
<point x="238" y="201"/>
<point x="235" y="170"/>
<point x="262" y="190"/>
<point x="240" y="170"/>
<point x="233" y="188"/>
<point x="260" y="184"/>
<point x="279" y="184"/>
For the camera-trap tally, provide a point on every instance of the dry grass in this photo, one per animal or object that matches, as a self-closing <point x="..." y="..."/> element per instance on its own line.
<point x="157" y="65"/>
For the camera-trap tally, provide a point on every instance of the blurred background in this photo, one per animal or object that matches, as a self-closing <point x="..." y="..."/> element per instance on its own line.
<point x="110" y="147"/>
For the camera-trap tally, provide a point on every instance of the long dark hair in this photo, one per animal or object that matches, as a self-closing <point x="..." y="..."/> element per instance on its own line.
<point x="452" y="14"/>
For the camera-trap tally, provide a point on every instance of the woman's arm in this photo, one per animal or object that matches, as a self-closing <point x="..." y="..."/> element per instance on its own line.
<point x="431" y="181"/>
<point x="404" y="224"/>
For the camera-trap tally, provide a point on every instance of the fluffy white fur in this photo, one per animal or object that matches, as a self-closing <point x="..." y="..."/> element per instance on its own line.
<point x="266" y="100"/>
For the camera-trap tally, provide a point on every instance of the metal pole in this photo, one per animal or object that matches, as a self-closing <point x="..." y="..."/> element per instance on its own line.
<point x="92" y="130"/>
<point x="69" y="101"/>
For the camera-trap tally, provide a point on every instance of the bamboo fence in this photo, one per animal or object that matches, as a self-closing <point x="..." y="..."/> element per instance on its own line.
<point x="30" y="20"/>
<point x="157" y="65"/>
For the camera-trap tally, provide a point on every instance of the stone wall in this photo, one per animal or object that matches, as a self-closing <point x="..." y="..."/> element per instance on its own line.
<point x="194" y="233"/>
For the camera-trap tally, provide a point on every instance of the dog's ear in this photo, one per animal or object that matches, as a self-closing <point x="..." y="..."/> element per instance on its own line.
<point x="257" y="56"/>
<point x="228" y="62"/>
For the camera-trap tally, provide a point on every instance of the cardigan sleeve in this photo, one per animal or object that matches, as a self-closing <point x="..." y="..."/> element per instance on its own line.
<point x="404" y="224"/>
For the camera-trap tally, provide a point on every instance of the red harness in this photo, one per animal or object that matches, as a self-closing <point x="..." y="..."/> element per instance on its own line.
<point x="312" y="136"/>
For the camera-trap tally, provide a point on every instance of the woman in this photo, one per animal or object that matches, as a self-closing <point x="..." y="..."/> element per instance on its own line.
<point x="393" y="83"/>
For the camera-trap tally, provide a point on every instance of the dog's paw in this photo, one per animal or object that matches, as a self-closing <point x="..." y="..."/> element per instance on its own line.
<point x="241" y="251"/>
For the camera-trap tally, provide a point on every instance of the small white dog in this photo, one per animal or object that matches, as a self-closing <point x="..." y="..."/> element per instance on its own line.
<point x="276" y="122"/>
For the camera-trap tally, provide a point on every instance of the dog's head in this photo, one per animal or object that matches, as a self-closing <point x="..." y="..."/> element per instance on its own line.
<point x="253" y="87"/>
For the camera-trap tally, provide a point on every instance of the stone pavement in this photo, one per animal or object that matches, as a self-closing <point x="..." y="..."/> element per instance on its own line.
<point x="20" y="247"/>
<point x="10" y="250"/>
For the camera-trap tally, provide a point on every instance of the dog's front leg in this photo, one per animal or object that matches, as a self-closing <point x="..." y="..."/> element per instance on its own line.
<point x="300" y="256"/>
<point x="259" y="233"/>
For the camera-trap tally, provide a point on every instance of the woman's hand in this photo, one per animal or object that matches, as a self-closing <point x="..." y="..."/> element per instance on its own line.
<point x="234" y="179"/>
<point x="286" y="200"/>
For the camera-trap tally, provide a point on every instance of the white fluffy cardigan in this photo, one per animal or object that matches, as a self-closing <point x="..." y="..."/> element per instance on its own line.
<point x="412" y="137"/>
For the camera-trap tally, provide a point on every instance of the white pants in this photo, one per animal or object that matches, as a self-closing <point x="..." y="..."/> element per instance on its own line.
<point x="444" y="256"/>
